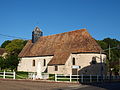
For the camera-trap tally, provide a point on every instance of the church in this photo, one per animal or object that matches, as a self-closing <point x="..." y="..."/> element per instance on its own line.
<point x="73" y="52"/>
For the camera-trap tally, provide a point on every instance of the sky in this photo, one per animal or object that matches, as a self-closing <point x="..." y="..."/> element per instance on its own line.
<point x="18" y="18"/>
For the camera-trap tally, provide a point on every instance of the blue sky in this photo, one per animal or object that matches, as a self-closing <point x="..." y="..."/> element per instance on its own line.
<point x="19" y="17"/>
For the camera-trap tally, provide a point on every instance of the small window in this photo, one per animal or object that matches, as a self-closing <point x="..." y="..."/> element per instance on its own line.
<point x="104" y="59"/>
<point x="73" y="61"/>
<point x="56" y="68"/>
<point x="33" y="63"/>
<point x="44" y="62"/>
<point x="94" y="60"/>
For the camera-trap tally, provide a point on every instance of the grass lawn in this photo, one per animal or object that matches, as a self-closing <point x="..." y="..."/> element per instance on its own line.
<point x="21" y="75"/>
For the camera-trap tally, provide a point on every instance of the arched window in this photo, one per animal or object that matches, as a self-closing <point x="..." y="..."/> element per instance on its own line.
<point x="73" y="61"/>
<point x="56" y="68"/>
<point x="44" y="62"/>
<point x="33" y="63"/>
<point x="93" y="60"/>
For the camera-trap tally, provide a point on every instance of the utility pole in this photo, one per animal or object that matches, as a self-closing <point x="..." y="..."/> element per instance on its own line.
<point x="109" y="53"/>
<point x="101" y="71"/>
<point x="109" y="60"/>
<point x="110" y="72"/>
<point x="110" y="69"/>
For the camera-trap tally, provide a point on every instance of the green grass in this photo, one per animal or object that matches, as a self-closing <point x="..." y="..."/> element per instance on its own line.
<point x="6" y="74"/>
<point x="65" y="79"/>
<point x="21" y="75"/>
<point x="51" y="77"/>
<point x="1" y="76"/>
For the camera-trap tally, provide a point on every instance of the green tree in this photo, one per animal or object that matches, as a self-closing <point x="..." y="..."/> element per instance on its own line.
<point x="12" y="62"/>
<point x="15" y="46"/>
<point x="103" y="44"/>
<point x="5" y="43"/>
<point x="2" y="63"/>
<point x="115" y="53"/>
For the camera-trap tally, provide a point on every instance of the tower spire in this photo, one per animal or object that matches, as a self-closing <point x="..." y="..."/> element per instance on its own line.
<point x="36" y="33"/>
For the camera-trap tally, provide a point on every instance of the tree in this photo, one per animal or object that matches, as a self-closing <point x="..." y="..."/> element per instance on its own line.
<point x="5" y="43"/>
<point x="103" y="44"/>
<point x="12" y="62"/>
<point x="115" y="53"/>
<point x="2" y="63"/>
<point x="15" y="46"/>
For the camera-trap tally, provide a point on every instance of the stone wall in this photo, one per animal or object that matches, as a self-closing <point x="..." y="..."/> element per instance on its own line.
<point x="82" y="60"/>
<point x="26" y="64"/>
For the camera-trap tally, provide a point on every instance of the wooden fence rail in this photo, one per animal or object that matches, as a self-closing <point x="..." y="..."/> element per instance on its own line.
<point x="85" y="78"/>
<point x="7" y="74"/>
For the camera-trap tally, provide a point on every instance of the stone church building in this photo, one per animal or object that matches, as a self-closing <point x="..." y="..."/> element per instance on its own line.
<point x="74" y="52"/>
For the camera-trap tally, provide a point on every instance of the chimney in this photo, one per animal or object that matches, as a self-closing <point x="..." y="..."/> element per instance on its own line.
<point x="36" y="33"/>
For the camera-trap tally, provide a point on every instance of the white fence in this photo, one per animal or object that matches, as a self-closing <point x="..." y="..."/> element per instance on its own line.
<point x="85" y="78"/>
<point x="7" y="74"/>
<point x="34" y="75"/>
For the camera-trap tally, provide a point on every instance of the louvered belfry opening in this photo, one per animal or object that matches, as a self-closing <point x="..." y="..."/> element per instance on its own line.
<point x="36" y="34"/>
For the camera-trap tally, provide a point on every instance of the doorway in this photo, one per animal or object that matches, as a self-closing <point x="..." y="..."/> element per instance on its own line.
<point x="74" y="71"/>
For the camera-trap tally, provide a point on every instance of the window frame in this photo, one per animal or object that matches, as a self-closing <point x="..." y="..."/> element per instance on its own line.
<point x="44" y="62"/>
<point x="56" y="68"/>
<point x="73" y="61"/>
<point x="94" y="61"/>
<point x="33" y="63"/>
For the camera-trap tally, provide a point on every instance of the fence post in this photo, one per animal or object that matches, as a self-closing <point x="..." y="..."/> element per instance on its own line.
<point x="56" y="77"/>
<point x="14" y="74"/>
<point x="90" y="78"/>
<point x="4" y="74"/>
<point x="70" y="78"/>
<point x="82" y="78"/>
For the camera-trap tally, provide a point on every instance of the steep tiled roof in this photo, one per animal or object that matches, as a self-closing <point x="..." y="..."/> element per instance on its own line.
<point x="61" y="46"/>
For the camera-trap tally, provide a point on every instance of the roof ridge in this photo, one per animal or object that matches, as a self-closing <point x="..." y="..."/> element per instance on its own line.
<point x="83" y="30"/>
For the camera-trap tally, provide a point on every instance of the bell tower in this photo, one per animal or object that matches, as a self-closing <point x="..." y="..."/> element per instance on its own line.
<point x="36" y="33"/>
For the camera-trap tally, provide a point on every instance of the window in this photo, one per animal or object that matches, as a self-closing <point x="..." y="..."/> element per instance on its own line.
<point x="73" y="61"/>
<point x="56" y="68"/>
<point x="33" y="63"/>
<point x="44" y="62"/>
<point x="94" y="60"/>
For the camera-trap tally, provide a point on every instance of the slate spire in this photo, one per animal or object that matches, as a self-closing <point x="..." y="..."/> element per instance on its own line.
<point x="36" y="33"/>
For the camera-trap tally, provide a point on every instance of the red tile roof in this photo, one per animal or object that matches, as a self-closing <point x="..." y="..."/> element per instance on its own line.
<point x="61" y="46"/>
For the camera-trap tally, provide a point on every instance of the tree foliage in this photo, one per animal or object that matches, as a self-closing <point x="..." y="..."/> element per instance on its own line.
<point x="11" y="62"/>
<point x="114" y="53"/>
<point x="4" y="44"/>
<point x="15" y="46"/>
<point x="2" y="63"/>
